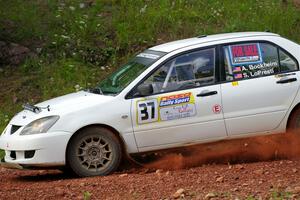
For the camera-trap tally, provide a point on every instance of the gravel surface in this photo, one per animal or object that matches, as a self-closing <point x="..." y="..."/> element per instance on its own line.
<point x="262" y="168"/>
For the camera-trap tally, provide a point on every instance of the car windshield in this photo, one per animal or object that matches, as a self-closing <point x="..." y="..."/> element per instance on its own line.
<point x="117" y="81"/>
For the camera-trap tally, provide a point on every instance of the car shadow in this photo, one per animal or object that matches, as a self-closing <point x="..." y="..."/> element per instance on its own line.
<point x="42" y="176"/>
<point x="48" y="175"/>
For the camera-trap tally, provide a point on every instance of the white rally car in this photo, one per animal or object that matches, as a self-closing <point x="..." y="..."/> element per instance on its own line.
<point x="180" y="93"/>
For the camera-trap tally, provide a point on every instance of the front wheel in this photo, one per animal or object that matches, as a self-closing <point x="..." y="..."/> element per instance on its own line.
<point x="94" y="151"/>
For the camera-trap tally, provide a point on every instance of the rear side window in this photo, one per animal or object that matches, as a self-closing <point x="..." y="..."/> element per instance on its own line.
<point x="286" y="62"/>
<point x="248" y="60"/>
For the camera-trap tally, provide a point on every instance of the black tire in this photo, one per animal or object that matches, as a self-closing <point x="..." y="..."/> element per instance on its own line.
<point x="294" y="122"/>
<point x="94" y="151"/>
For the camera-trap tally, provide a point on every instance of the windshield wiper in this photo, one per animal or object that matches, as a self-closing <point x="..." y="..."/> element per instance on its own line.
<point x="96" y="90"/>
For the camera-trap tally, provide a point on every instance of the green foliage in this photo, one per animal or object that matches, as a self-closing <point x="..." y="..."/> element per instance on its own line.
<point x="274" y="195"/>
<point x="97" y="32"/>
<point x="280" y="195"/>
<point x="66" y="76"/>
<point x="87" y="195"/>
<point x="2" y="154"/>
<point x="46" y="81"/>
<point x="4" y="119"/>
<point x="250" y="198"/>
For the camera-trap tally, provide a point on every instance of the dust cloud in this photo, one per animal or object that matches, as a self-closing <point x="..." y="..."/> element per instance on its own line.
<point x="254" y="149"/>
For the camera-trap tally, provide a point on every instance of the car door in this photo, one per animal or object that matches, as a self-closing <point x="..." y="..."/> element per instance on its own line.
<point x="261" y="82"/>
<point x="185" y="105"/>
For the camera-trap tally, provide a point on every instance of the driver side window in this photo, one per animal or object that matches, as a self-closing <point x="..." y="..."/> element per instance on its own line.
<point x="190" y="70"/>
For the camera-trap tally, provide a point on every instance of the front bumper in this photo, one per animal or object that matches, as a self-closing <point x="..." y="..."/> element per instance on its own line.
<point x="10" y="165"/>
<point x="38" y="150"/>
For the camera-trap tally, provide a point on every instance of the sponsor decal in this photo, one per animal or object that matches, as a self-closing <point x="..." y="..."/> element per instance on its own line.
<point x="177" y="106"/>
<point x="148" y="55"/>
<point x="238" y="76"/>
<point x="237" y="69"/>
<point x="235" y="83"/>
<point x="147" y="111"/>
<point x="166" y="108"/>
<point x="175" y="99"/>
<point x="246" y="61"/>
<point x="217" y="109"/>
<point x="242" y="54"/>
<point x="177" y="112"/>
<point x="261" y="69"/>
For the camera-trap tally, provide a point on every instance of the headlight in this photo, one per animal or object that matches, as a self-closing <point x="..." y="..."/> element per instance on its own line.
<point x="41" y="125"/>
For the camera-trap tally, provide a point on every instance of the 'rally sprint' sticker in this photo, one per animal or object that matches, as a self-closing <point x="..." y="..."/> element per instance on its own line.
<point x="166" y="108"/>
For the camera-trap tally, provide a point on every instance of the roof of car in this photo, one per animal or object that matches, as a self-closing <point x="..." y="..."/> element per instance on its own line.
<point x="171" y="46"/>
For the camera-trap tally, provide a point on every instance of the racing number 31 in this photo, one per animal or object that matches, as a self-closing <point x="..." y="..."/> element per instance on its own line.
<point x="147" y="111"/>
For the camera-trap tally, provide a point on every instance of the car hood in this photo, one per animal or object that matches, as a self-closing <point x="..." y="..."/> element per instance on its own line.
<point x="60" y="106"/>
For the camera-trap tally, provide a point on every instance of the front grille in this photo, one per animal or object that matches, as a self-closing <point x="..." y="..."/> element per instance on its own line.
<point x="14" y="128"/>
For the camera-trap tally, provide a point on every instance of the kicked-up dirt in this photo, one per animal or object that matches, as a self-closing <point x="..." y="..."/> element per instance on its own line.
<point x="265" y="167"/>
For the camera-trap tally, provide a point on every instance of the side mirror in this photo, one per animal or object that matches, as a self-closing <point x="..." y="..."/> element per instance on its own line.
<point x="145" y="89"/>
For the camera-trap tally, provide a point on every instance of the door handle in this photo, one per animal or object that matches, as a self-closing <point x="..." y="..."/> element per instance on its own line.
<point x="288" y="80"/>
<point x="207" y="93"/>
<point x="285" y="75"/>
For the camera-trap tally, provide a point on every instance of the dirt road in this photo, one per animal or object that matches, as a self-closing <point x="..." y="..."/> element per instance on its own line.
<point x="272" y="170"/>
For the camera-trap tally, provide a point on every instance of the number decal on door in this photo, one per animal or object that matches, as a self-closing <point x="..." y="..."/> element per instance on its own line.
<point x="147" y="111"/>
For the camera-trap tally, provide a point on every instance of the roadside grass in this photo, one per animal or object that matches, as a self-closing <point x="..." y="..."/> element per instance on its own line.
<point x="274" y="195"/>
<point x="2" y="154"/>
<point x="87" y="195"/>
<point x="78" y="43"/>
<point x="56" y="79"/>
<point x="271" y="195"/>
<point x="280" y="195"/>
<point x="108" y="30"/>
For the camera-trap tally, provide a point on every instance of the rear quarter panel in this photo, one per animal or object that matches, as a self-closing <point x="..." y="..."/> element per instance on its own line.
<point x="294" y="49"/>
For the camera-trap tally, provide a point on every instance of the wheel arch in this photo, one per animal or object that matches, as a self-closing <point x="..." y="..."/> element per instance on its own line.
<point x="113" y="130"/>
<point x="296" y="107"/>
